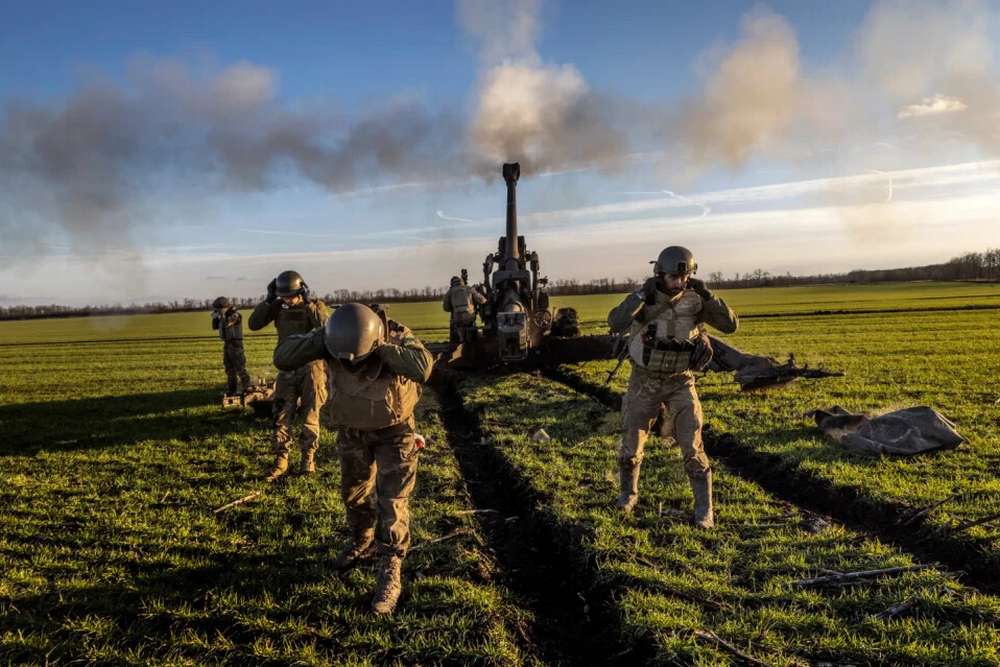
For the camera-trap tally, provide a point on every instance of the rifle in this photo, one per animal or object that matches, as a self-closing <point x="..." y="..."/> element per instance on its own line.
<point x="621" y="354"/>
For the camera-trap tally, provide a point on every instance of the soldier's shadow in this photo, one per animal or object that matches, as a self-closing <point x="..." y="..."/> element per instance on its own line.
<point x="90" y="423"/>
<point x="162" y="601"/>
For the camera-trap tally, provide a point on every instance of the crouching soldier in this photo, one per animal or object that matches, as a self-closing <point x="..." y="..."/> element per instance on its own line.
<point x="289" y="305"/>
<point x="376" y="368"/>
<point x="226" y="319"/>
<point x="666" y="321"/>
<point x="461" y="301"/>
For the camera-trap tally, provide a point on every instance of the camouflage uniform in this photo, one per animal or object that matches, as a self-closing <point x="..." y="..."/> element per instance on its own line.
<point x="229" y="324"/>
<point x="662" y="333"/>
<point x="306" y="384"/>
<point x="372" y="407"/>
<point x="461" y="301"/>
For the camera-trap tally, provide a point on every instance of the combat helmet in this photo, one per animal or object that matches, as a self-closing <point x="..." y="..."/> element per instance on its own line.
<point x="455" y="281"/>
<point x="675" y="259"/>
<point x="290" y="283"/>
<point x="352" y="332"/>
<point x="220" y="303"/>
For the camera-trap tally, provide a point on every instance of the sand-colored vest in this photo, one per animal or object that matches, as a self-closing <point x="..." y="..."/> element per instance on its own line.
<point x="667" y="325"/>
<point x="462" y="309"/>
<point x="372" y="398"/>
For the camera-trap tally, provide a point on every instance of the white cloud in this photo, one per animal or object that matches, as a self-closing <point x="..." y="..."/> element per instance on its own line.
<point x="932" y="106"/>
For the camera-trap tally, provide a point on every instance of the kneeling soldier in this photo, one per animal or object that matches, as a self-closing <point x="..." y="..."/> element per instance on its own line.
<point x="376" y="366"/>
<point x="666" y="321"/>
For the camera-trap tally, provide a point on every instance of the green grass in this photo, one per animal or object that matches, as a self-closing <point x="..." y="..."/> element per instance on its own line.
<point x="113" y="458"/>
<point x="947" y="360"/>
<point x="668" y="580"/>
<point x="431" y="321"/>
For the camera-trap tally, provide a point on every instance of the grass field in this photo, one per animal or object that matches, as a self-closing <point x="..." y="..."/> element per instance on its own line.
<point x="116" y="451"/>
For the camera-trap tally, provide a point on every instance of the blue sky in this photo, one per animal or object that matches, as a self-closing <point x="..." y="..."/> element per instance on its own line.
<point x="194" y="149"/>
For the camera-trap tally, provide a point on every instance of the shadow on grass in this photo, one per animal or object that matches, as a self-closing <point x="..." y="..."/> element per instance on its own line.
<point x="163" y="602"/>
<point x="89" y="423"/>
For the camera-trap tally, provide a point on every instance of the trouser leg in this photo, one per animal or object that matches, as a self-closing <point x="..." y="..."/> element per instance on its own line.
<point x="357" y="483"/>
<point x="639" y="408"/>
<point x="396" y="457"/>
<point x="685" y="407"/>
<point x="313" y="390"/>
<point x="286" y="397"/>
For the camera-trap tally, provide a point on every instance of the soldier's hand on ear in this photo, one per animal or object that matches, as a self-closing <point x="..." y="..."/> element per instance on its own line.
<point x="699" y="288"/>
<point x="650" y="286"/>
<point x="272" y="291"/>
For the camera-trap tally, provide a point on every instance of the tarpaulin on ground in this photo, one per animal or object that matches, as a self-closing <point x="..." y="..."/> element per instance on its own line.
<point x="901" y="432"/>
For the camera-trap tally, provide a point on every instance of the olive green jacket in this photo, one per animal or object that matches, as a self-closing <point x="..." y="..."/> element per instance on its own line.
<point x="402" y="353"/>
<point x="714" y="312"/>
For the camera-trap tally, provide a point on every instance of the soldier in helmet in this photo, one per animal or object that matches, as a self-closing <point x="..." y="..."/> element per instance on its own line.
<point x="289" y="305"/>
<point x="226" y="319"/>
<point x="666" y="321"/>
<point x="376" y="367"/>
<point x="461" y="301"/>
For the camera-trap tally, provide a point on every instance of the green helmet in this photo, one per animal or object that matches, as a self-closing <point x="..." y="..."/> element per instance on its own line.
<point x="352" y="332"/>
<point x="220" y="303"/>
<point x="675" y="259"/>
<point x="290" y="283"/>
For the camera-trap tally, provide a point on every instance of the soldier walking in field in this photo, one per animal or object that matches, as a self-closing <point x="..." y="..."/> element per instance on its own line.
<point x="668" y="341"/>
<point x="289" y="305"/>
<point x="461" y="301"/>
<point x="376" y="367"/>
<point x="226" y="319"/>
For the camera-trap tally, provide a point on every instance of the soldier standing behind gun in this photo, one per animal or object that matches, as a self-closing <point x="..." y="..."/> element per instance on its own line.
<point x="226" y="319"/>
<point x="668" y="341"/>
<point x="376" y="366"/>
<point x="293" y="311"/>
<point x="461" y="301"/>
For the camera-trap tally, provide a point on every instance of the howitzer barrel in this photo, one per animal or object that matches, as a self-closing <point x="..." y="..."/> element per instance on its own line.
<point x="511" y="172"/>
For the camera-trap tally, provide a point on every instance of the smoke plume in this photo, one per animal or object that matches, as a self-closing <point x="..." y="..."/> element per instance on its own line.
<point x="542" y="115"/>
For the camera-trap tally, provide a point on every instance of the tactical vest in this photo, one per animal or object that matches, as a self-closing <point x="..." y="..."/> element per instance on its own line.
<point x="231" y="332"/>
<point x="462" y="309"/>
<point x="665" y="340"/>
<point x="299" y="319"/>
<point x="372" y="398"/>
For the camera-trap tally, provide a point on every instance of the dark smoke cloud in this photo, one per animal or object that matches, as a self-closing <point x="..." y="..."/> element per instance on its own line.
<point x="90" y="161"/>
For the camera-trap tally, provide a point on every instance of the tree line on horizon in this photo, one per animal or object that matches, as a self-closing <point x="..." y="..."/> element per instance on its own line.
<point x="972" y="266"/>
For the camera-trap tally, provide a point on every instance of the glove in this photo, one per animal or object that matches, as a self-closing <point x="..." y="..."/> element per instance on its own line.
<point x="699" y="288"/>
<point x="272" y="291"/>
<point x="649" y="288"/>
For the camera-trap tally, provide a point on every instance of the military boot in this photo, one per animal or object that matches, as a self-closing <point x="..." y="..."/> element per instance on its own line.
<point x="389" y="585"/>
<point x="701" y="485"/>
<point x="308" y="464"/>
<point x="628" y="475"/>
<point x="354" y="552"/>
<point x="279" y="468"/>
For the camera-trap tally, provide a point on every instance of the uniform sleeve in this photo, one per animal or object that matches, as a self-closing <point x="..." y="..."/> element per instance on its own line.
<point x="406" y="355"/>
<point x="478" y="297"/>
<point x="716" y="313"/>
<point x="621" y="316"/>
<point x="297" y="351"/>
<point x="262" y="315"/>
<point x="215" y="321"/>
<point x="233" y="319"/>
<point x="321" y="313"/>
<point x="446" y="304"/>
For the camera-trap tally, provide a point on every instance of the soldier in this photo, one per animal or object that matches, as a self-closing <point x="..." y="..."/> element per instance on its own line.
<point x="666" y="320"/>
<point x="376" y="366"/>
<point x="294" y="311"/>
<point x="461" y="301"/>
<point x="226" y="319"/>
